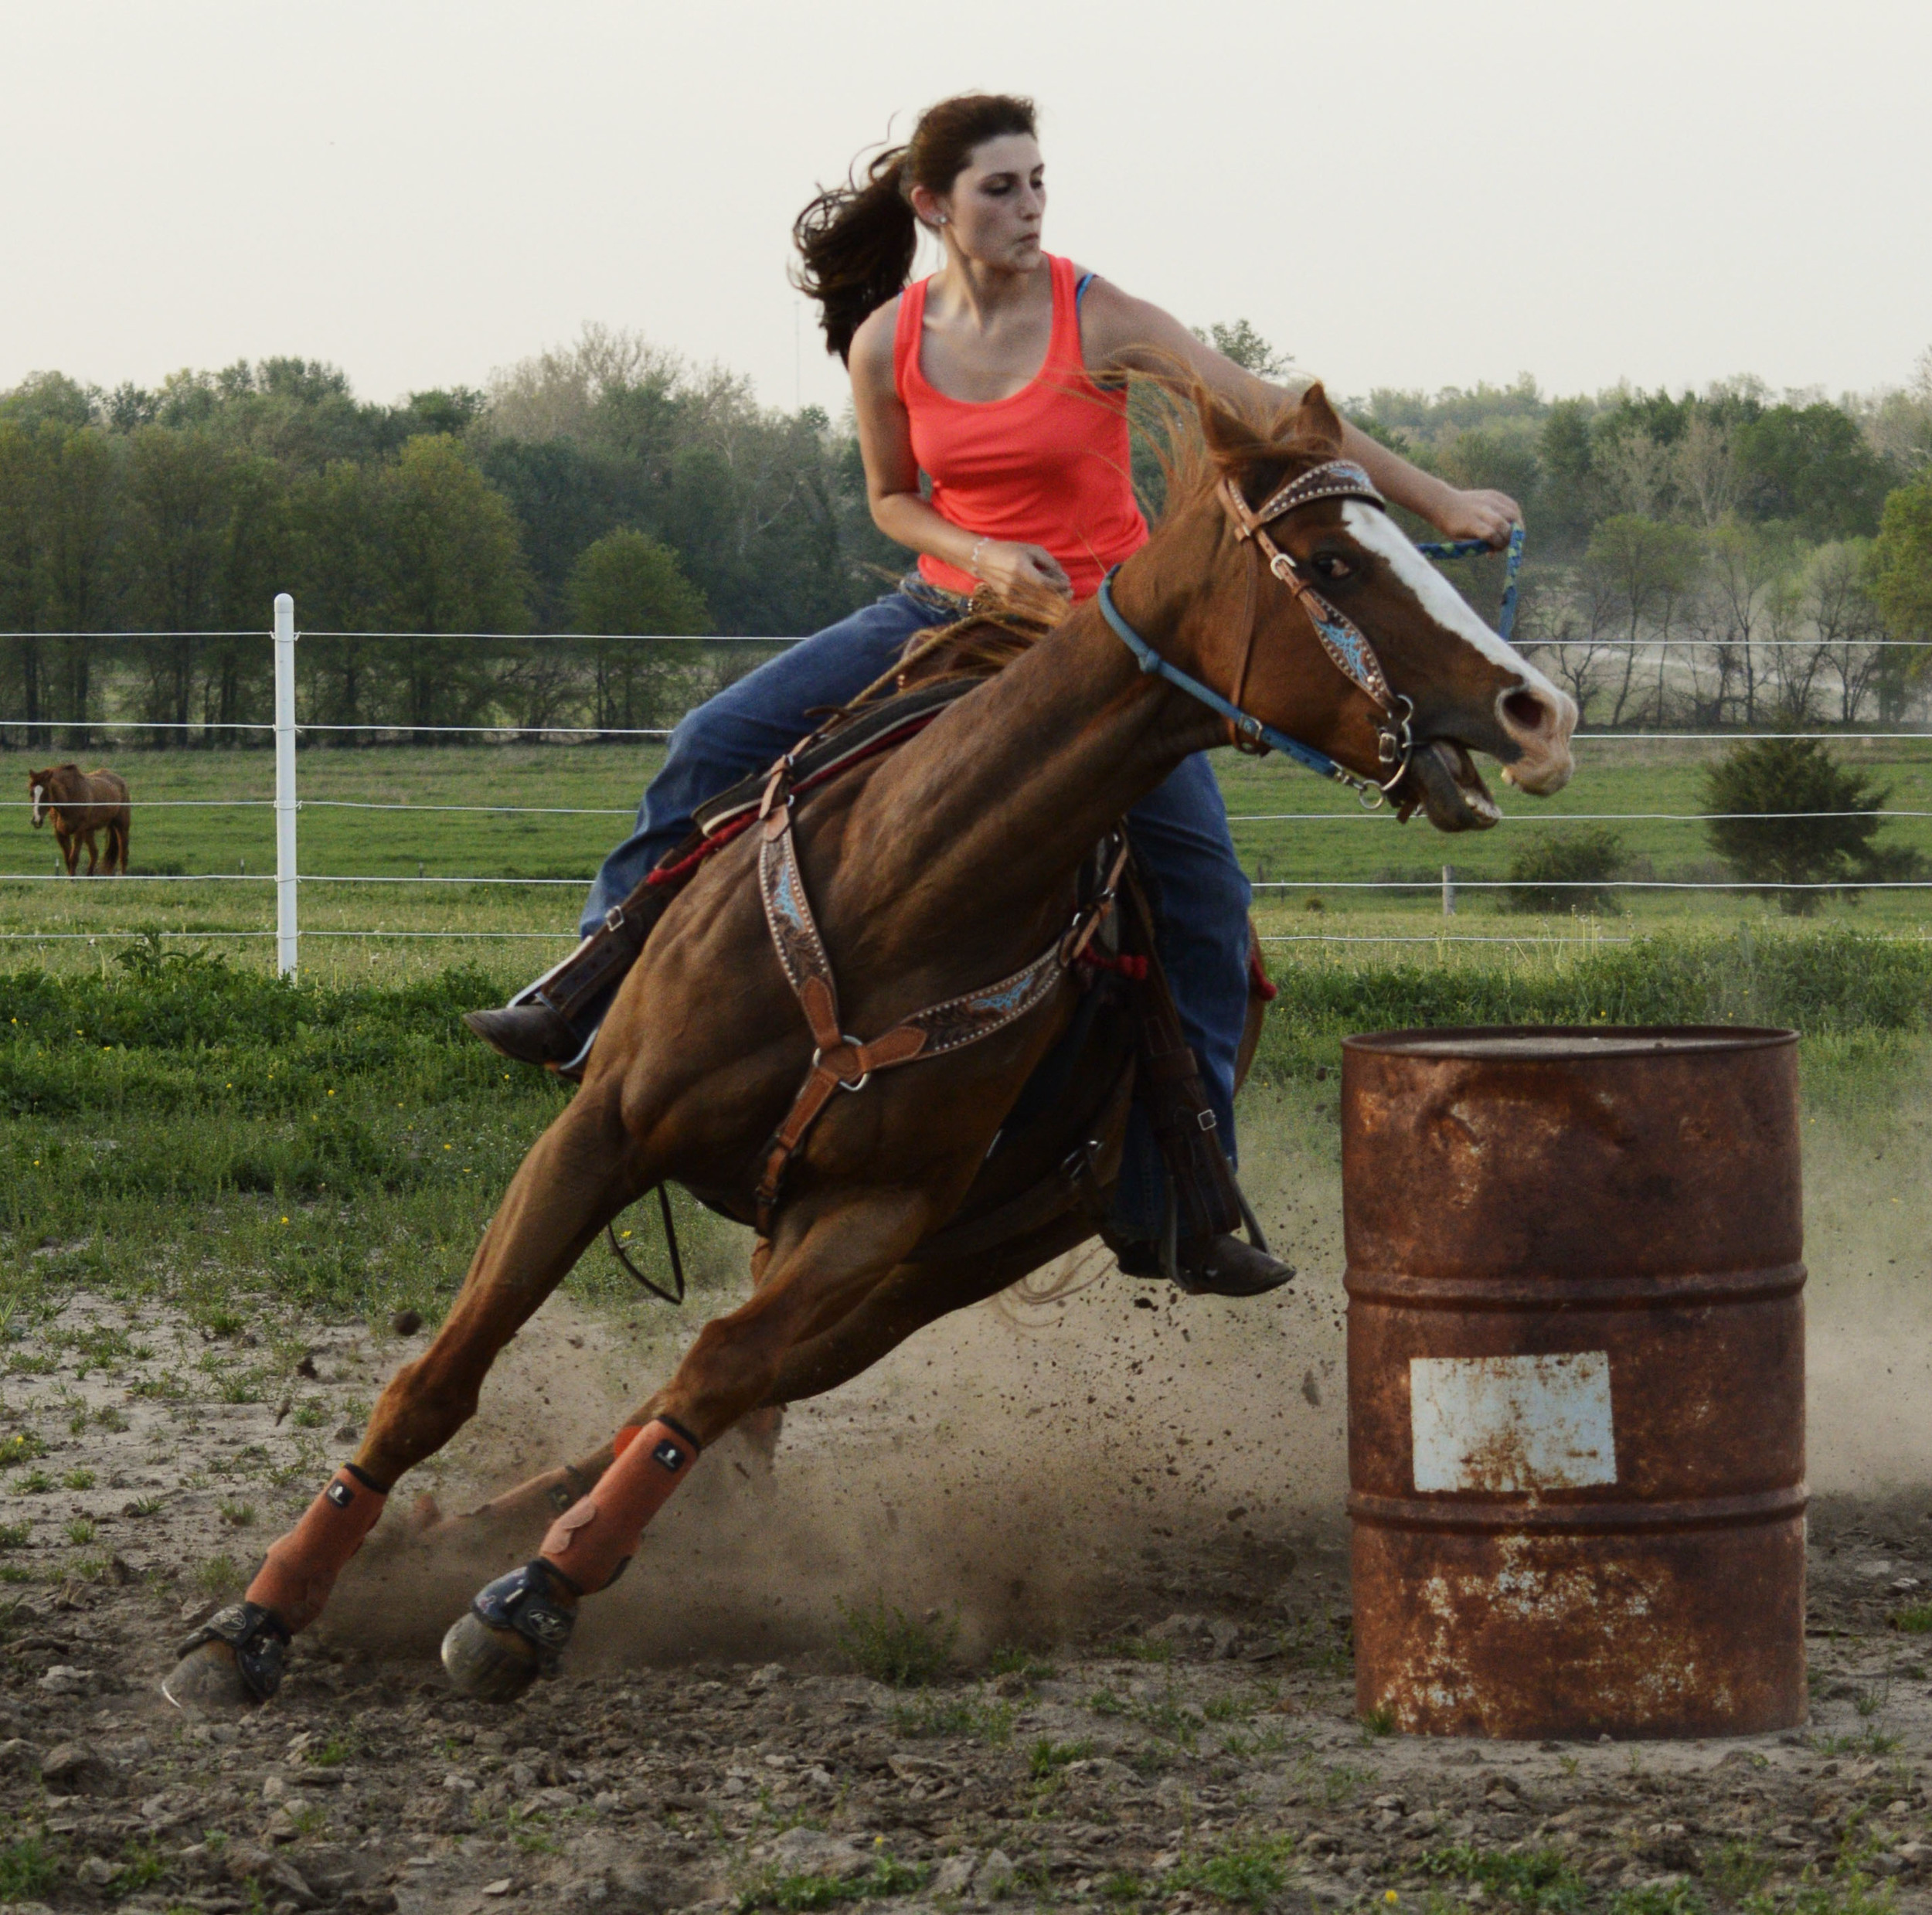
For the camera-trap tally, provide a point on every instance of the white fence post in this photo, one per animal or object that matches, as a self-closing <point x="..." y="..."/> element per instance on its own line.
<point x="1448" y="891"/>
<point x="287" y="942"/>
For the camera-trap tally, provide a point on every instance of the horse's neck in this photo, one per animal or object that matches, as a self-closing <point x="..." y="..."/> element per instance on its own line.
<point x="1004" y="795"/>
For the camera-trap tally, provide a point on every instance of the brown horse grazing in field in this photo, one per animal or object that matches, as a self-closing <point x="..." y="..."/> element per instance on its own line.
<point x="1275" y="581"/>
<point x="81" y="803"/>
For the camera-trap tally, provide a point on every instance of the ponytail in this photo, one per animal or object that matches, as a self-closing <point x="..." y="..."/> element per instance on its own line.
<point x="855" y="246"/>
<point x="856" y="242"/>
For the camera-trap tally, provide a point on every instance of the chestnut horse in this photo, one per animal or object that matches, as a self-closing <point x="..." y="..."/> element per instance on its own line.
<point x="81" y="803"/>
<point x="930" y="871"/>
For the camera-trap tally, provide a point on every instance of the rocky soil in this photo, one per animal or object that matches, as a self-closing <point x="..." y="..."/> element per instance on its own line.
<point x="1173" y="1731"/>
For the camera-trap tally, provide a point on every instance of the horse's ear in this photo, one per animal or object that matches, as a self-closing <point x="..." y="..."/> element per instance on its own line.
<point x="1230" y="439"/>
<point x="1317" y="420"/>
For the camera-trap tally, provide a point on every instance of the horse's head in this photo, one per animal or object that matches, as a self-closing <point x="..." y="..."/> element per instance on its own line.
<point x="40" y="785"/>
<point x="1463" y="689"/>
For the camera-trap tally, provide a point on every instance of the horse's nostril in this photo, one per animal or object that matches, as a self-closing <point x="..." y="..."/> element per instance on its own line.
<point x="1525" y="709"/>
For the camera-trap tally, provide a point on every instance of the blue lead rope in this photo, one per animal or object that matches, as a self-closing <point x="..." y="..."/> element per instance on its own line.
<point x="1245" y="723"/>
<point x="1471" y="548"/>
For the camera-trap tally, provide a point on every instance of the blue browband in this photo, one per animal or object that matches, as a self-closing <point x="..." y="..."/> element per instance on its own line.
<point x="1245" y="723"/>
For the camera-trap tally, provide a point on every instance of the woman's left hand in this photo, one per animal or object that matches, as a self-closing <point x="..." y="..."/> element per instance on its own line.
<point x="1487" y="515"/>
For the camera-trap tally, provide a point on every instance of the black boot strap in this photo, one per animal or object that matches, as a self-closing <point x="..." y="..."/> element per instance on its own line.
<point x="259" y="1639"/>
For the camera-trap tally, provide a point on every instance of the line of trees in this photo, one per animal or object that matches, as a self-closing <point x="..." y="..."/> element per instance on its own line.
<point x="610" y="487"/>
<point x="1712" y="559"/>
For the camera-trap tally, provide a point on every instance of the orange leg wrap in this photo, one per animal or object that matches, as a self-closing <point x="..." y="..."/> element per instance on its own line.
<point x="593" y="1538"/>
<point x="301" y="1568"/>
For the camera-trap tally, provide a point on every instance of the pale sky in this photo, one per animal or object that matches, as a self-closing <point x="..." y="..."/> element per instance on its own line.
<point x="1401" y="193"/>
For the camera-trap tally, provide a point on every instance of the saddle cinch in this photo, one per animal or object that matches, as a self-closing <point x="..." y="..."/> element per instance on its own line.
<point x="1123" y="1042"/>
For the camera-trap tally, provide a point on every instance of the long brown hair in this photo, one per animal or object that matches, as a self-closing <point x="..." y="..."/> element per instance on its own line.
<point x="855" y="242"/>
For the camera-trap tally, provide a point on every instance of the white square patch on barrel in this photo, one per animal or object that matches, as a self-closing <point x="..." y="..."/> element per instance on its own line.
<point x="1511" y="1422"/>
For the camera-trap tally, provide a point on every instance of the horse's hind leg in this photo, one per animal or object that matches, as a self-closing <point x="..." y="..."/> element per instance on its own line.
<point x="914" y="1295"/>
<point x="578" y="1176"/>
<point x="118" y="834"/>
<point x="911" y="1297"/>
<point x="518" y="1626"/>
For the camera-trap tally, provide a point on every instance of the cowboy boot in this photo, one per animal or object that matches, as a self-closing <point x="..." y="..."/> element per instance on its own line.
<point x="554" y="1022"/>
<point x="1224" y="1266"/>
<point x="1198" y="1250"/>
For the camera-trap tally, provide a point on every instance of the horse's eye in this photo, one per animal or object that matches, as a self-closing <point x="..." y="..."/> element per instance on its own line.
<point x="1332" y="566"/>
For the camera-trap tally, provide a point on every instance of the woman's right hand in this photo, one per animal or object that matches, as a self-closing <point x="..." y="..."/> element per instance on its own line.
<point x="1014" y="570"/>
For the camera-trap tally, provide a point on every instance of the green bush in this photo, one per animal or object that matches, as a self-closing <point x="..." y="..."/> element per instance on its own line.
<point x="1566" y="871"/>
<point x="1787" y="813"/>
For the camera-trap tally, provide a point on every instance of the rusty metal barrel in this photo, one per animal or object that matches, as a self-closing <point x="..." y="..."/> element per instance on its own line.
<point x="1575" y="1380"/>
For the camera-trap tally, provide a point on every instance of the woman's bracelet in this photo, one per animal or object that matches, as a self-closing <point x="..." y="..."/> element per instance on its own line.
<point x="972" y="557"/>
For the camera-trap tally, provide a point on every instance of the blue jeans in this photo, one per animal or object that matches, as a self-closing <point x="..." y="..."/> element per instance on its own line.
<point x="1179" y="833"/>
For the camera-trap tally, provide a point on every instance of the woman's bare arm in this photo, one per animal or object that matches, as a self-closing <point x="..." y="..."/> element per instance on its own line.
<point x="1123" y="333"/>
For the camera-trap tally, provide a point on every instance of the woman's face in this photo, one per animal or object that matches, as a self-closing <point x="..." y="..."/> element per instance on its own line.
<point x="994" y="211"/>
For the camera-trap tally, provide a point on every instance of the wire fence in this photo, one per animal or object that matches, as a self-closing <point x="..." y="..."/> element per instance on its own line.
<point x="288" y="878"/>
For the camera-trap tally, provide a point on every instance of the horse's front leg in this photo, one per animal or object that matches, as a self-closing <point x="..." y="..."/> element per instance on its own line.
<point x="820" y="1271"/>
<point x="579" y="1174"/>
<point x="68" y="847"/>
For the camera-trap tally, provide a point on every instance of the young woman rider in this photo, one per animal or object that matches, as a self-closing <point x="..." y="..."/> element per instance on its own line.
<point x="1001" y="378"/>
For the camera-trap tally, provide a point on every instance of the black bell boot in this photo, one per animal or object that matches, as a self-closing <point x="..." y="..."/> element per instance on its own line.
<point x="554" y="1022"/>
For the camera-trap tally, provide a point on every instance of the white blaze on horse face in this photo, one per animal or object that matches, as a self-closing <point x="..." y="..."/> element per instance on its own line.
<point x="1545" y="764"/>
<point x="38" y="792"/>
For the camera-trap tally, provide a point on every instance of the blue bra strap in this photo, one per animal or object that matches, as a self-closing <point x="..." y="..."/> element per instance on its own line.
<point x="1079" y="291"/>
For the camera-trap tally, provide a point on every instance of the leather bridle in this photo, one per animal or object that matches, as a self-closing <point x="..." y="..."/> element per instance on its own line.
<point x="1342" y="640"/>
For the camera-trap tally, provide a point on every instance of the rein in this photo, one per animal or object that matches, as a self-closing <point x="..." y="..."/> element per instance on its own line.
<point x="1476" y="548"/>
<point x="1344" y="641"/>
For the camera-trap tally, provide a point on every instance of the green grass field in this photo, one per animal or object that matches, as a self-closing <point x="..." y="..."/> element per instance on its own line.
<point x="176" y="1126"/>
<point x="184" y="1124"/>
<point x="1308" y="862"/>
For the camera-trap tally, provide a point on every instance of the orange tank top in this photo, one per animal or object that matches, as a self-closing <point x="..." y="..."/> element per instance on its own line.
<point x="1048" y="465"/>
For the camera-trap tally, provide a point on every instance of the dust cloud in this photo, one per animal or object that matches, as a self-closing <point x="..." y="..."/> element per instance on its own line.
<point x="1042" y="1469"/>
<point x="1868" y="1243"/>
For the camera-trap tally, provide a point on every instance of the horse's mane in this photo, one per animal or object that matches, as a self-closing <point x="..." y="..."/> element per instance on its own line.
<point x="1200" y="438"/>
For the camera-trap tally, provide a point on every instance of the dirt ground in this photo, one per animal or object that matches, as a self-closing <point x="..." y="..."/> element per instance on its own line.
<point x="1131" y="1511"/>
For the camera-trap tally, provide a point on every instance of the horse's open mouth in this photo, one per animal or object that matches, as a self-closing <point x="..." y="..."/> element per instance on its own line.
<point x="1444" y="777"/>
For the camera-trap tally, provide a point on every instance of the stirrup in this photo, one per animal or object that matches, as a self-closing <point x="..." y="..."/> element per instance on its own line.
<point x="259" y="1639"/>
<point x="1170" y="1238"/>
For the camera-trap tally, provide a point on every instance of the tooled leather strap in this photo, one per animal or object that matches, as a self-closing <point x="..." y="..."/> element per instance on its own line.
<point x="1334" y="478"/>
<point x="840" y="1062"/>
<point x="788" y="913"/>
<point x="1342" y="640"/>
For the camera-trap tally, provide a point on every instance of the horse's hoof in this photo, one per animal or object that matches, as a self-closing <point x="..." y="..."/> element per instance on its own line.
<point x="206" y="1682"/>
<point x="491" y="1664"/>
<point x="235" y="1659"/>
